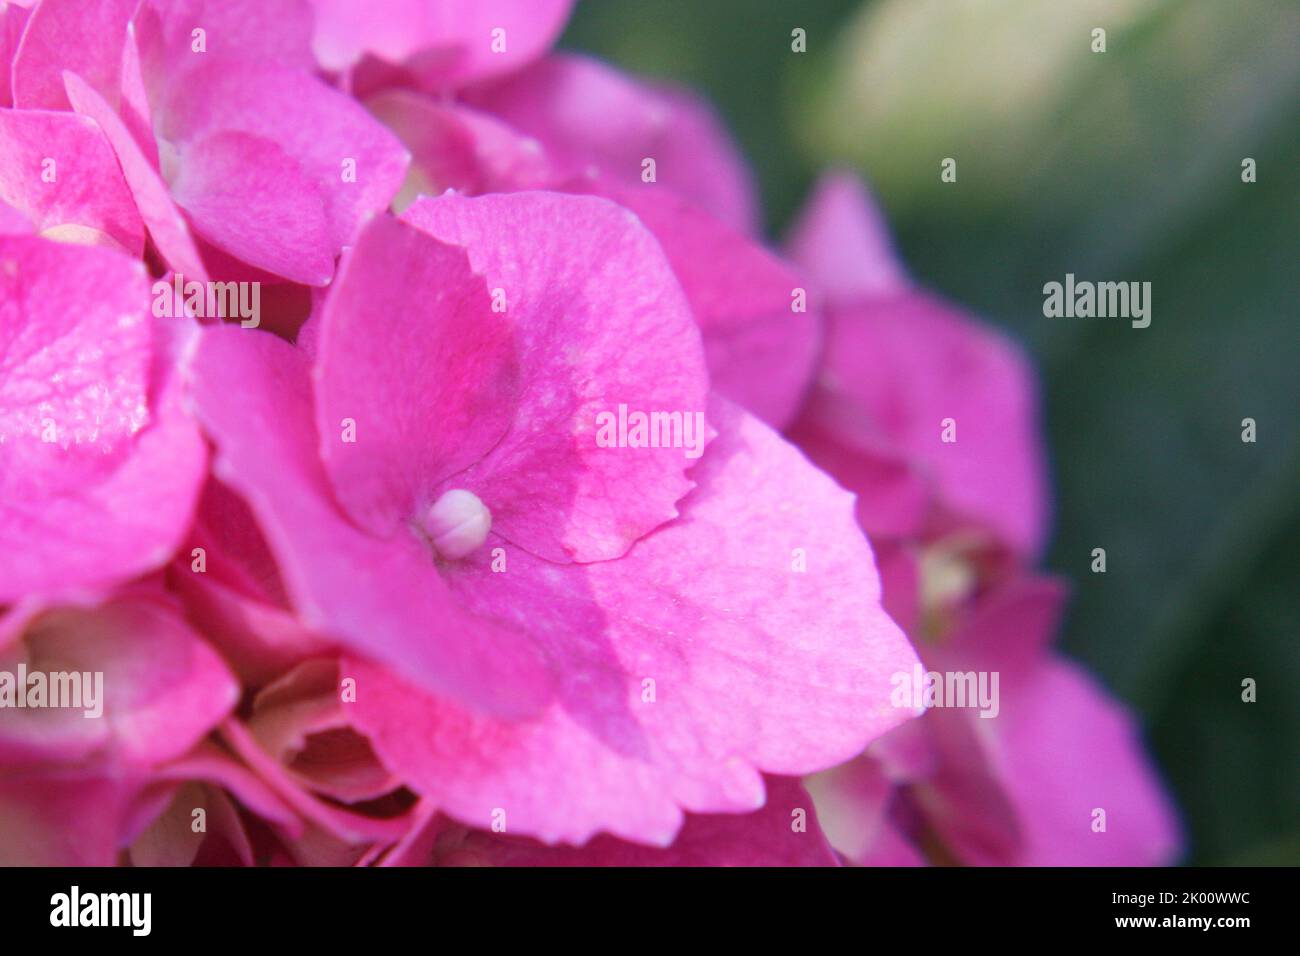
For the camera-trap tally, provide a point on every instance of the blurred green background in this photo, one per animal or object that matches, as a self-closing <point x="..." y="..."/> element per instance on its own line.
<point x="1123" y="165"/>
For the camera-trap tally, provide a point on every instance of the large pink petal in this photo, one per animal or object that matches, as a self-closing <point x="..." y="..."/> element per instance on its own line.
<point x="380" y="597"/>
<point x="111" y="494"/>
<point x="410" y="350"/>
<point x="589" y="115"/>
<point x="599" y="321"/>
<point x="87" y="200"/>
<point x="756" y="665"/>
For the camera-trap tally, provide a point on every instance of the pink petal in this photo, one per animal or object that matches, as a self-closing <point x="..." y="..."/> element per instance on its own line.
<point x="588" y="115"/>
<point x="163" y="687"/>
<point x="323" y="131"/>
<point x="88" y="191"/>
<point x="599" y="320"/>
<point x="757" y="666"/>
<point x="895" y="369"/>
<point x="761" y="353"/>
<point x="13" y="18"/>
<point x="167" y="227"/>
<point x="448" y="41"/>
<point x="70" y="35"/>
<point x="784" y="832"/>
<point x="249" y="198"/>
<point x="1067" y="750"/>
<point x="111" y="495"/>
<point x="35" y="810"/>
<point x="453" y="147"/>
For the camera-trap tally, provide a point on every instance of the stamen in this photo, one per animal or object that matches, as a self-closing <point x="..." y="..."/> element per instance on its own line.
<point x="457" y="524"/>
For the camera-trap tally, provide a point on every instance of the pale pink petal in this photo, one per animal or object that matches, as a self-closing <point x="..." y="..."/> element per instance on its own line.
<point x="853" y="802"/>
<point x="443" y="42"/>
<point x="59" y="171"/>
<point x="163" y="688"/>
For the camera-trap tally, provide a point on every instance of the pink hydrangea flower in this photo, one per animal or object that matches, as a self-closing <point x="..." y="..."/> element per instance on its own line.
<point x="501" y="647"/>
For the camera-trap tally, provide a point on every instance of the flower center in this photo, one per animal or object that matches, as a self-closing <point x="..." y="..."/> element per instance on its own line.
<point x="457" y="523"/>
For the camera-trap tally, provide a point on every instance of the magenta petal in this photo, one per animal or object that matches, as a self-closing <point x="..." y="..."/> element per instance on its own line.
<point x="87" y="200"/>
<point x="410" y="350"/>
<point x="756" y="666"/>
<point x="589" y="115"/>
<point x="599" y="321"/>
<point x="378" y="597"/>
<point x="784" y="832"/>
<point x="247" y="197"/>
<point x="35" y="810"/>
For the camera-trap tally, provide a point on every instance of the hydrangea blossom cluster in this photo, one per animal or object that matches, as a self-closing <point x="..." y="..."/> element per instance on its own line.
<point x="523" y="518"/>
